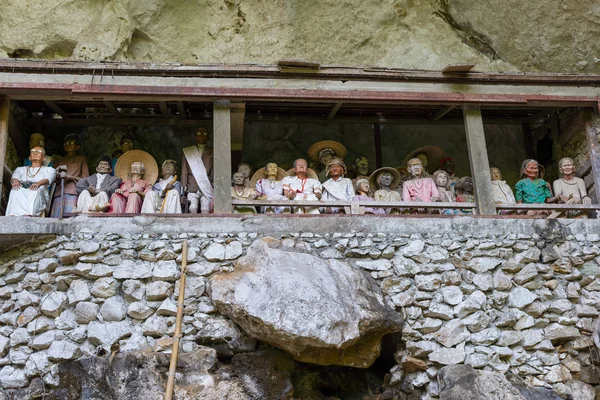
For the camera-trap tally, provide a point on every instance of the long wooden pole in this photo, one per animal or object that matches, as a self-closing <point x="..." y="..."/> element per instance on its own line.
<point x="177" y="336"/>
<point x="478" y="157"/>
<point x="222" y="155"/>
<point x="4" y="115"/>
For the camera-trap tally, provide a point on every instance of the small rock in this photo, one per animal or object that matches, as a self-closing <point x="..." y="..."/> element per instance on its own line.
<point x="63" y="351"/>
<point x="232" y="251"/>
<point x="53" y="304"/>
<point x="130" y="269"/>
<point x="12" y="378"/>
<point x="155" y="326"/>
<point x="113" y="309"/>
<point x="526" y="274"/>
<point x="165" y="271"/>
<point x="86" y="312"/>
<point x="452" y="333"/>
<point x="134" y="290"/>
<point x="215" y="252"/>
<point x="167" y="308"/>
<point x="139" y="310"/>
<point x="78" y="291"/>
<point x="558" y="373"/>
<point x="449" y="356"/>
<point x="559" y="333"/>
<point x="520" y="297"/>
<point x="158" y="290"/>
<point x="452" y="295"/>
<point x="104" y="287"/>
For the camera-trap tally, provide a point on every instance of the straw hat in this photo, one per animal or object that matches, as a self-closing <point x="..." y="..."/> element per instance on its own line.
<point x="124" y="165"/>
<point x="395" y="177"/>
<point x="338" y="148"/>
<point x="309" y="172"/>
<point x="434" y="155"/>
<point x="402" y="171"/>
<point x="260" y="174"/>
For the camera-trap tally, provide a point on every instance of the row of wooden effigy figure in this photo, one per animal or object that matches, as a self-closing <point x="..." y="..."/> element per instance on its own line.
<point x="130" y="183"/>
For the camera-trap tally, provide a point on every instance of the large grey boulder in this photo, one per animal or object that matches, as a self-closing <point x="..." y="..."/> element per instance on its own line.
<point x="462" y="382"/>
<point x="320" y="311"/>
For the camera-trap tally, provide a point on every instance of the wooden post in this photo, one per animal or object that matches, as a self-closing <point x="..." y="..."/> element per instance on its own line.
<point x="592" y="130"/>
<point x="378" y="155"/>
<point x="478" y="158"/>
<point x="222" y="156"/>
<point x="4" y="115"/>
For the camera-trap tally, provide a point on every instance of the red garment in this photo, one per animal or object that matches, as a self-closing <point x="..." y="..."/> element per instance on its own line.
<point x="129" y="202"/>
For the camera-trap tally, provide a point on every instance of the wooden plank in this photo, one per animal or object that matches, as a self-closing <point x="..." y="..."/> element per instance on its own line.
<point x="478" y="158"/>
<point x="440" y="114"/>
<point x="182" y="110"/>
<point x="378" y="153"/>
<point x="164" y="110"/>
<point x="4" y="116"/>
<point x="334" y="110"/>
<point x="111" y="107"/>
<point x="222" y="156"/>
<point x="57" y="109"/>
<point x="592" y="129"/>
<point x="457" y="68"/>
<point x="528" y="142"/>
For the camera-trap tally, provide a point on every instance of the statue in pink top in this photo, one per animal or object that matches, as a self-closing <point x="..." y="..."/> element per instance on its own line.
<point x="419" y="188"/>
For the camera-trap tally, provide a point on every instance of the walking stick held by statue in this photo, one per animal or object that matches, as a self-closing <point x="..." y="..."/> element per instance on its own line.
<point x="177" y="336"/>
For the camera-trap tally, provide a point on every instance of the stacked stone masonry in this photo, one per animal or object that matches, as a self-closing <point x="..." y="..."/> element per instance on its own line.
<point x="520" y="304"/>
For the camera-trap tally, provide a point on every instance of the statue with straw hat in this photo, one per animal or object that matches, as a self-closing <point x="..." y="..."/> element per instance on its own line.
<point x="137" y="169"/>
<point x="324" y="151"/>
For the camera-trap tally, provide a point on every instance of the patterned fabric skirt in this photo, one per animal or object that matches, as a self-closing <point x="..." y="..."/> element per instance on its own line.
<point x="70" y="205"/>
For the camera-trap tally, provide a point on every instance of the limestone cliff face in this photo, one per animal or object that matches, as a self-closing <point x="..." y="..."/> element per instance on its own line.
<point x="428" y="34"/>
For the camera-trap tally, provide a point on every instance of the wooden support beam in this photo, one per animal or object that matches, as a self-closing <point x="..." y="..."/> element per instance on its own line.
<point x="592" y="130"/>
<point x="238" y="116"/>
<point x="528" y="141"/>
<point x="378" y="155"/>
<point x="56" y="108"/>
<point x="222" y="156"/>
<point x="4" y="116"/>
<point x="334" y="110"/>
<point x="478" y="158"/>
<point x="164" y="110"/>
<point x="111" y="107"/>
<point x="440" y="114"/>
<point x="182" y="110"/>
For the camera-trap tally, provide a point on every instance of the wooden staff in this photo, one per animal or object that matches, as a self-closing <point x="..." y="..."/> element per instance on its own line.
<point x="177" y="336"/>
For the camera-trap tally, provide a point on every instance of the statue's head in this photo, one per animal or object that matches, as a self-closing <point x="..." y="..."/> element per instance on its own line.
<point x="238" y="179"/>
<point x="300" y="167"/>
<point x="71" y="143"/>
<point x="415" y="167"/>
<point x="362" y="185"/>
<point x="138" y="168"/>
<point x="169" y="168"/>
<point x="271" y="169"/>
<point x="495" y="174"/>
<point x="465" y="184"/>
<point x="361" y="166"/>
<point x="104" y="166"/>
<point x="37" y="155"/>
<point x="325" y="155"/>
<point x="566" y="166"/>
<point x="126" y="143"/>
<point x="335" y="168"/>
<point x="530" y="168"/>
<point x="385" y="179"/>
<point x="441" y="178"/>
<point x="447" y="164"/>
<point x="245" y="169"/>
<point x="202" y="135"/>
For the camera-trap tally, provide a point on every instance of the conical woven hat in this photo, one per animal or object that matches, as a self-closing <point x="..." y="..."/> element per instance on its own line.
<point x="124" y="162"/>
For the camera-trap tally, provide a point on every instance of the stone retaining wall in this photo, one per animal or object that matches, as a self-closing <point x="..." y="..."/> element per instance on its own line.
<point x="516" y="297"/>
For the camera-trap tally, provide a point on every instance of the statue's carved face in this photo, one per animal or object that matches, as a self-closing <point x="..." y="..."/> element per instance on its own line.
<point x="137" y="168"/>
<point x="448" y="166"/>
<point x="385" y="179"/>
<point x="567" y="167"/>
<point x="335" y="170"/>
<point x="532" y="170"/>
<point x="36" y="155"/>
<point x="201" y="136"/>
<point x="495" y="174"/>
<point x="364" y="186"/>
<point x="271" y="169"/>
<point x="245" y="170"/>
<point x="415" y="169"/>
<point x="103" y="167"/>
<point x="362" y="169"/>
<point x="71" y="145"/>
<point x="168" y="169"/>
<point x="301" y="167"/>
<point x="238" y="179"/>
<point x="468" y="185"/>
<point x="126" y="145"/>
<point x="442" y="179"/>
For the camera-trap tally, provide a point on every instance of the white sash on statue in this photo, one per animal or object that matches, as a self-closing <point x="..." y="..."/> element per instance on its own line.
<point x="194" y="159"/>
